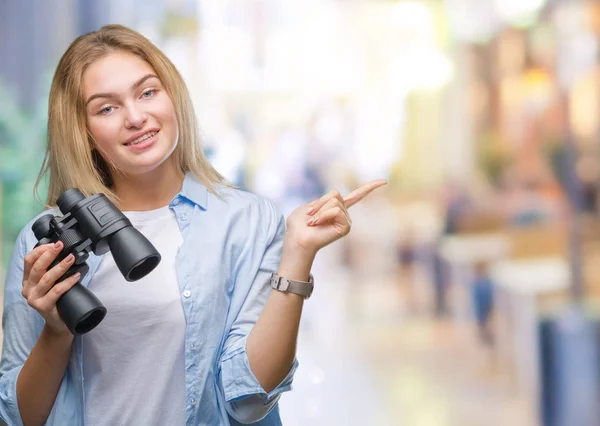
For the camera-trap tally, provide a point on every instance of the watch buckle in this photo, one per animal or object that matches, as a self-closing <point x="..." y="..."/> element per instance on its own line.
<point x="281" y="284"/>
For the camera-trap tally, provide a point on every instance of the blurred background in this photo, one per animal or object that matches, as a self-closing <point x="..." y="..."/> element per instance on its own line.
<point x="466" y="293"/>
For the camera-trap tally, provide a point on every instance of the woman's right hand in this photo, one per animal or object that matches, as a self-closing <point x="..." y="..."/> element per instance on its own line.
<point x="40" y="287"/>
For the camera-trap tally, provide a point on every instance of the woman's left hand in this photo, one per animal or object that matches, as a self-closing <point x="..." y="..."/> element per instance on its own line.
<point x="313" y="226"/>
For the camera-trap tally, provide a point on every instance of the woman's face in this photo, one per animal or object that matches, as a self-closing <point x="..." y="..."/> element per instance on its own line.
<point x="129" y="114"/>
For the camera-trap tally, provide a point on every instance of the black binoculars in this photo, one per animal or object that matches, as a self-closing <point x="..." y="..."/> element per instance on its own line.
<point x="92" y="224"/>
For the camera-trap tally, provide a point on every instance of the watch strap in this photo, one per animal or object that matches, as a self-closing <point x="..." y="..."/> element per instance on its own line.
<point x="302" y="288"/>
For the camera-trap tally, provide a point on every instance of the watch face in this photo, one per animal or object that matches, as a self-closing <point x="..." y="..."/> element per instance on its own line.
<point x="310" y="292"/>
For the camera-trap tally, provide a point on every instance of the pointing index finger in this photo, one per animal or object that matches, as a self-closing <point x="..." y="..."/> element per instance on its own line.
<point x="362" y="191"/>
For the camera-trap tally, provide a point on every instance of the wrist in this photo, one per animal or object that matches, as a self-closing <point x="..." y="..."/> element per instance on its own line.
<point x="58" y="337"/>
<point x="294" y="249"/>
<point x="296" y="261"/>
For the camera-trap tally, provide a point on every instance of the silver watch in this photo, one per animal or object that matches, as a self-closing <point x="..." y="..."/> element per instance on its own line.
<point x="286" y="285"/>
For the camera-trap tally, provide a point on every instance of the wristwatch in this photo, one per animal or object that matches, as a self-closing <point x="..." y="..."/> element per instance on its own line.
<point x="286" y="285"/>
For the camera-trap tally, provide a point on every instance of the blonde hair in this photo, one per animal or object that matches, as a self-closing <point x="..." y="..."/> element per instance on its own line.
<point x="71" y="158"/>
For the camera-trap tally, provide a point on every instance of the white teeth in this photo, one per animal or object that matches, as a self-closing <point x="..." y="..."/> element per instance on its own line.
<point x="142" y="138"/>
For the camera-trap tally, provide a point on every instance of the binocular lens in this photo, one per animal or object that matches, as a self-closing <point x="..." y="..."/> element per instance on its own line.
<point x="134" y="255"/>
<point x="68" y="199"/>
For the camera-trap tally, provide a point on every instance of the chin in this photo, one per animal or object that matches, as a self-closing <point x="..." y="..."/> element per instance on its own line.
<point x="148" y="166"/>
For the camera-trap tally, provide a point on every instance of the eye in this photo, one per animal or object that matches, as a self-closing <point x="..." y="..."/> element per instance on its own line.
<point x="106" y="110"/>
<point x="148" y="93"/>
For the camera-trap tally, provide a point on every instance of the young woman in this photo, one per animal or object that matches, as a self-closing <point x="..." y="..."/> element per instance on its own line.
<point x="203" y="339"/>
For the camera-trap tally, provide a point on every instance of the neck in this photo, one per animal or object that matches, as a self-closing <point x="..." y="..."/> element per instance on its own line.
<point x="148" y="191"/>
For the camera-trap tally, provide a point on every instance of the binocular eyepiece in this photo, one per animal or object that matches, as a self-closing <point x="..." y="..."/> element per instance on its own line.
<point x="92" y="224"/>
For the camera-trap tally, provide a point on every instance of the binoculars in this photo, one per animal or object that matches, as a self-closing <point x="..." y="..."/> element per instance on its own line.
<point x="92" y="224"/>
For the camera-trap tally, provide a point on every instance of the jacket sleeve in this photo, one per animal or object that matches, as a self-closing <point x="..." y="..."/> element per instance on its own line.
<point x="246" y="400"/>
<point x="20" y="326"/>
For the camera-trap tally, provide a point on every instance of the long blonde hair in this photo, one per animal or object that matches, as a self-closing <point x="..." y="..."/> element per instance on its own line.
<point x="71" y="159"/>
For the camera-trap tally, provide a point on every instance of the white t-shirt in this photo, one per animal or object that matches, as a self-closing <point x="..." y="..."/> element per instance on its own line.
<point x="133" y="361"/>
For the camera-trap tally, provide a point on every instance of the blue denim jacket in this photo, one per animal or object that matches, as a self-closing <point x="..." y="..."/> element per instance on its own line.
<point x="232" y="244"/>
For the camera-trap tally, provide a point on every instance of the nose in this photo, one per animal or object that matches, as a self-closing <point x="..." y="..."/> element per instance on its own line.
<point x="135" y="117"/>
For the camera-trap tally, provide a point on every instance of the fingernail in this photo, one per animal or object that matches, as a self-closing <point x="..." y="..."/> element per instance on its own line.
<point x="316" y="219"/>
<point x="310" y="221"/>
<point x="310" y="209"/>
<point x="57" y="245"/>
<point x="69" y="258"/>
<point x="77" y="276"/>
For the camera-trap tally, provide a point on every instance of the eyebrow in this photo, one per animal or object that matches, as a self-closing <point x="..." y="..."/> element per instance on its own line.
<point x="110" y="95"/>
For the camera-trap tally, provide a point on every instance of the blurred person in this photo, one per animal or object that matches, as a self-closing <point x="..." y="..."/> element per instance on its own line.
<point x="203" y="339"/>
<point x="407" y="253"/>
<point x="455" y="204"/>
<point x="440" y="283"/>
<point x="482" y="293"/>
<point x="588" y="174"/>
<point x="407" y="261"/>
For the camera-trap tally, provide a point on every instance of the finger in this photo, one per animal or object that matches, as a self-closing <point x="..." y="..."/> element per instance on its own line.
<point x="30" y="259"/>
<point x="337" y="215"/>
<point x="61" y="288"/>
<point x="362" y="191"/>
<point x="41" y="265"/>
<point x="44" y="304"/>
<point x="316" y="205"/>
<point x="49" y="278"/>
<point x="333" y="202"/>
<point x="33" y="256"/>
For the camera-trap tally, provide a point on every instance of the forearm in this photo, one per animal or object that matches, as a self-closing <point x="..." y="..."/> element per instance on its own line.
<point x="40" y="378"/>
<point x="271" y="345"/>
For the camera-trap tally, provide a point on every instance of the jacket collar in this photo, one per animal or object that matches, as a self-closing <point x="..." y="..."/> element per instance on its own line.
<point x="194" y="191"/>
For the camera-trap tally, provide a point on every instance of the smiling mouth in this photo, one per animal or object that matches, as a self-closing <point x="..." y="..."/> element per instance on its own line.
<point x="142" y="138"/>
